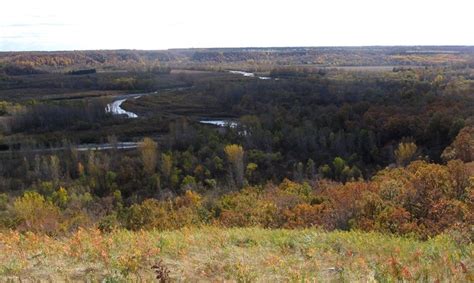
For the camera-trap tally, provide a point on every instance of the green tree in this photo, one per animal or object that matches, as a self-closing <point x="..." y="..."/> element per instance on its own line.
<point x="339" y="166"/>
<point x="188" y="183"/>
<point x="60" y="197"/>
<point x="325" y="171"/>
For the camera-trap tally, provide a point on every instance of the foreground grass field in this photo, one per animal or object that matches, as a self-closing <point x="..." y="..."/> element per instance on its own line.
<point x="243" y="255"/>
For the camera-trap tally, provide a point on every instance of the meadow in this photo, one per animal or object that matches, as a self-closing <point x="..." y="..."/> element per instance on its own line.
<point x="235" y="255"/>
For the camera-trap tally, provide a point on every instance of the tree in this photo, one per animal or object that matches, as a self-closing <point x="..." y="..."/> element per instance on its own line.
<point x="36" y="214"/>
<point x="60" y="197"/>
<point x="148" y="152"/>
<point x="462" y="147"/>
<point x="298" y="173"/>
<point x="340" y="167"/>
<point x="188" y="183"/>
<point x="405" y="153"/>
<point x="310" y="169"/>
<point x="54" y="167"/>
<point x="325" y="171"/>
<point x="251" y="168"/>
<point x="235" y="155"/>
<point x="166" y="165"/>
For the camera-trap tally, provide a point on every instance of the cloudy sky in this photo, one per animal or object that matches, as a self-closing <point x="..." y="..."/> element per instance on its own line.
<point x="162" y="24"/>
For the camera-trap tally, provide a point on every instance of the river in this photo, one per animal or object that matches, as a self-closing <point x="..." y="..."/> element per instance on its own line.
<point x="251" y="75"/>
<point x="219" y="123"/>
<point x="80" y="147"/>
<point x="116" y="109"/>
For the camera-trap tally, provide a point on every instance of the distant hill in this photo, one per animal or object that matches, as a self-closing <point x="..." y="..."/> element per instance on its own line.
<point x="205" y="58"/>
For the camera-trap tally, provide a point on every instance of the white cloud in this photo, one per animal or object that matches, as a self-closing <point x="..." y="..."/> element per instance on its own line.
<point x="142" y="24"/>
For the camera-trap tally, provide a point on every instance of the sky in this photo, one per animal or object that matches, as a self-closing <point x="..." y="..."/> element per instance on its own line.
<point x="27" y="25"/>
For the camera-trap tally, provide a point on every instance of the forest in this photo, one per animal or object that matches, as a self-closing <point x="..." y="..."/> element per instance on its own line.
<point x="253" y="145"/>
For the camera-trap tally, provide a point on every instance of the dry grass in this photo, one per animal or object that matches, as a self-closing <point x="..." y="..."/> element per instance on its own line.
<point x="244" y="255"/>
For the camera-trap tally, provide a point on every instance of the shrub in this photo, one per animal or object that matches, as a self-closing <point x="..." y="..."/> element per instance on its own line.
<point x="36" y="214"/>
<point x="162" y="215"/>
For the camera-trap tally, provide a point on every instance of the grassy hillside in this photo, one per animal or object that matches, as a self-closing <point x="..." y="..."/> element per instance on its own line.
<point x="216" y="254"/>
<point x="378" y="141"/>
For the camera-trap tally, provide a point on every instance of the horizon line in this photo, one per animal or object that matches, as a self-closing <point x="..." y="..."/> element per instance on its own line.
<point x="246" y="47"/>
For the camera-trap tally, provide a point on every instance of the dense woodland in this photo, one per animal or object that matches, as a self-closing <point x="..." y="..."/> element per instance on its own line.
<point x="374" y="139"/>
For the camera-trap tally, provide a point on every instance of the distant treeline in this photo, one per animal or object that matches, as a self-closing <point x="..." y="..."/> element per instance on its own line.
<point x="210" y="58"/>
<point x="19" y="70"/>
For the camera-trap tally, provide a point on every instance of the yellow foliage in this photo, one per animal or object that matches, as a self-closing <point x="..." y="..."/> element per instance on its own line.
<point x="166" y="165"/>
<point x="234" y="152"/>
<point x="235" y="155"/>
<point x="462" y="147"/>
<point x="148" y="151"/>
<point x="405" y="152"/>
<point x="162" y="215"/>
<point x="36" y="214"/>
<point x="80" y="169"/>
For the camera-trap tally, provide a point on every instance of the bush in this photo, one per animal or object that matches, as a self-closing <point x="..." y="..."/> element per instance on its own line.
<point x="36" y="214"/>
<point x="163" y="215"/>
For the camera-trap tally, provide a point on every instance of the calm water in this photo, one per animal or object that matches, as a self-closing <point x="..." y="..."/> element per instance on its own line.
<point x="247" y="74"/>
<point x="219" y="123"/>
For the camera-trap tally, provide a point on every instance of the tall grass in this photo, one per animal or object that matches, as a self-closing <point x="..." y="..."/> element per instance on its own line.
<point x="244" y="255"/>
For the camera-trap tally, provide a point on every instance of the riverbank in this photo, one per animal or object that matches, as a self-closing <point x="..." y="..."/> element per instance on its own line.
<point x="217" y="254"/>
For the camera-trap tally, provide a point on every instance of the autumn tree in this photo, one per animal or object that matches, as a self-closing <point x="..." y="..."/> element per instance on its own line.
<point x="166" y="165"/>
<point x="235" y="155"/>
<point x="54" y="167"/>
<point x="462" y="147"/>
<point x="148" y="153"/>
<point x="405" y="153"/>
